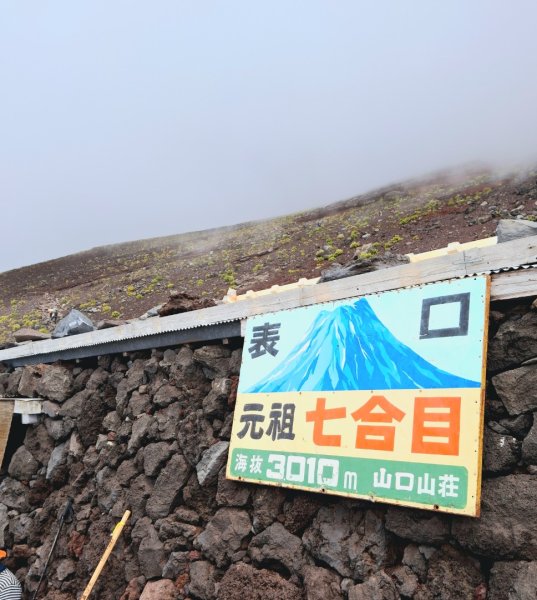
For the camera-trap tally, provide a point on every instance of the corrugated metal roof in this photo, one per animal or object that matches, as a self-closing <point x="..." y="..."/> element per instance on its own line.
<point x="160" y="331"/>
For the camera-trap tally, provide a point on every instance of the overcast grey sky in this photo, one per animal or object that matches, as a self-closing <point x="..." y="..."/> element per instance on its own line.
<point x="127" y="119"/>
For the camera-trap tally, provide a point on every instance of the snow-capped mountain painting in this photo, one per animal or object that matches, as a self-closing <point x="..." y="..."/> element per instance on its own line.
<point x="349" y="348"/>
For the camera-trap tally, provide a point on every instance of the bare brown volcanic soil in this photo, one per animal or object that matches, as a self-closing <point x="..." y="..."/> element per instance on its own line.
<point x="125" y="280"/>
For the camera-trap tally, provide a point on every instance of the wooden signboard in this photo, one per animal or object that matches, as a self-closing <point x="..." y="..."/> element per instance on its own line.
<point x="379" y="397"/>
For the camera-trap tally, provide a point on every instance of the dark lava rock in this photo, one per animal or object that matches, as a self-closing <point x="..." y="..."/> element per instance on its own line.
<point x="505" y="528"/>
<point x="214" y="360"/>
<point x="359" y="266"/>
<point x="23" y="465"/>
<point x="501" y="453"/>
<point x="513" y="580"/>
<point x="378" y="587"/>
<point x="180" y="302"/>
<point x="452" y="575"/>
<point x="202" y="583"/>
<point x="351" y="541"/>
<point x="243" y="582"/>
<point x="223" y="535"/>
<point x="299" y="512"/>
<point x="529" y="446"/>
<point x="90" y="421"/>
<point x="514" y="343"/>
<point x="56" y="383"/>
<point x="26" y="334"/>
<point x="417" y="526"/>
<point x="517" y="389"/>
<point x="195" y="435"/>
<point x="231" y="493"/>
<point x="322" y="584"/>
<point x="275" y="545"/>
<point x="167" y="487"/>
<point x="512" y="229"/>
<point x="109" y="323"/>
<point x="267" y="502"/>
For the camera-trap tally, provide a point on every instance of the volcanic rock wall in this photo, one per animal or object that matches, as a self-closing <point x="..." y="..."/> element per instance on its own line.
<point x="149" y="432"/>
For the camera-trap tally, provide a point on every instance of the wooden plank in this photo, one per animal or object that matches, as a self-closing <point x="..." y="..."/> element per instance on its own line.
<point x="453" y="248"/>
<point x="232" y="296"/>
<point x="6" y="414"/>
<point x="514" y="284"/>
<point x="468" y="262"/>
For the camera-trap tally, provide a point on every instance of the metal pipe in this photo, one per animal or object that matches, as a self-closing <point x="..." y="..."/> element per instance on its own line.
<point x="67" y="513"/>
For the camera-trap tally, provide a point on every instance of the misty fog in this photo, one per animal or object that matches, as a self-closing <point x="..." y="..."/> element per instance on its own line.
<point x="130" y="120"/>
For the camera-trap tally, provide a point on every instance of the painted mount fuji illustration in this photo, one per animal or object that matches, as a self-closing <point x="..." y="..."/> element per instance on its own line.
<point x="349" y="348"/>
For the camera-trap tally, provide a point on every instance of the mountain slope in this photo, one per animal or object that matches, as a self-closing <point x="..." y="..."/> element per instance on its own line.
<point x="124" y="280"/>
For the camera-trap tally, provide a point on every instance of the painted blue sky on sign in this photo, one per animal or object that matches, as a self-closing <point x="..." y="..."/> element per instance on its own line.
<point x="347" y="354"/>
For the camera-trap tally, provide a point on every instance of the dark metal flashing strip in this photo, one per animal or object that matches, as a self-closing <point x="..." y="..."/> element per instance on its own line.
<point x="158" y="340"/>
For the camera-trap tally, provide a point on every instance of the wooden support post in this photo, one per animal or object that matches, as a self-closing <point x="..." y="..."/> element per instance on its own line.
<point x="6" y="414"/>
<point x="115" y="535"/>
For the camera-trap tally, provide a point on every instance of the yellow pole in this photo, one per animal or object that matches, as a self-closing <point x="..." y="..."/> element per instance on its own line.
<point x="115" y="535"/>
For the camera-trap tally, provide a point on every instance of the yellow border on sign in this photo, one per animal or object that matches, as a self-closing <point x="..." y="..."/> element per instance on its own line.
<point x="470" y="445"/>
<point x="469" y="454"/>
<point x="477" y="512"/>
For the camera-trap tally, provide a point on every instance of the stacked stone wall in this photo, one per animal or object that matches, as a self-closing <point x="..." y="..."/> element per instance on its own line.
<point x="149" y="432"/>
